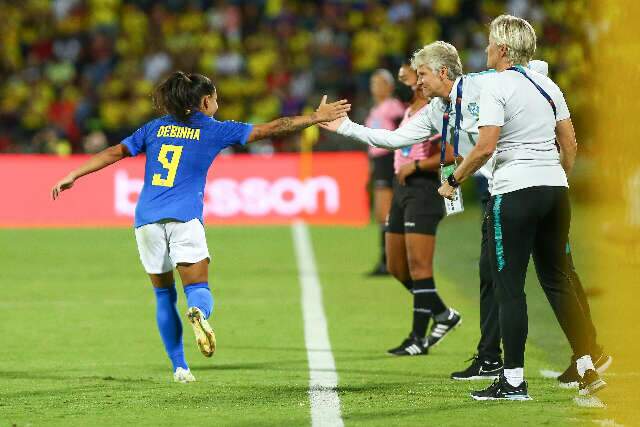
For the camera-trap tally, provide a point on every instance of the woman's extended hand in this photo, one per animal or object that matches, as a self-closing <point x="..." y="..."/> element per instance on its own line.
<point x="332" y="111"/>
<point x="62" y="185"/>
<point x="334" y="124"/>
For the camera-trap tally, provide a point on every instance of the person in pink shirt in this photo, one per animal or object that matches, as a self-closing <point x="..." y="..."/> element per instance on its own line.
<point x="386" y="113"/>
<point x="411" y="226"/>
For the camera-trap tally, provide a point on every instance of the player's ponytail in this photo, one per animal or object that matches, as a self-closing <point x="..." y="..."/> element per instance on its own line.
<point x="180" y="94"/>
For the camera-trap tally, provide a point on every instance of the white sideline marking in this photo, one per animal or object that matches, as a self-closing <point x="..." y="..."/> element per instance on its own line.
<point x="589" y="402"/>
<point x="323" y="379"/>
<point x="548" y="373"/>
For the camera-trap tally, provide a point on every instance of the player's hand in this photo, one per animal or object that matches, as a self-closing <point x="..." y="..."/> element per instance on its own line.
<point x="334" y="124"/>
<point x="405" y="171"/>
<point x="329" y="112"/>
<point x="446" y="191"/>
<point x="62" y="185"/>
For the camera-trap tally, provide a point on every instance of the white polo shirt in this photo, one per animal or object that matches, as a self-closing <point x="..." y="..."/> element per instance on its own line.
<point x="429" y="121"/>
<point x="426" y="124"/>
<point x="526" y="154"/>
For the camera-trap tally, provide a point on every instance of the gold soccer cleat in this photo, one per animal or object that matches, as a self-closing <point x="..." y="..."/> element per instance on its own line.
<point x="205" y="337"/>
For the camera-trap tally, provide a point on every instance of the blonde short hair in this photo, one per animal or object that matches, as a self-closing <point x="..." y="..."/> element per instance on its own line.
<point x="517" y="35"/>
<point x="437" y="55"/>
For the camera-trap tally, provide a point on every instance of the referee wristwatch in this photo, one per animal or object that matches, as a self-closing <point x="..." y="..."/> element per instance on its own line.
<point x="453" y="181"/>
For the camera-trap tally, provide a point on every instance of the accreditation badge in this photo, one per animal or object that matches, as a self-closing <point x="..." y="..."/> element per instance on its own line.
<point x="455" y="205"/>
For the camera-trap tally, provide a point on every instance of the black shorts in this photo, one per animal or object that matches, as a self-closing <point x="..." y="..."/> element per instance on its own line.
<point x="416" y="207"/>
<point x="382" y="171"/>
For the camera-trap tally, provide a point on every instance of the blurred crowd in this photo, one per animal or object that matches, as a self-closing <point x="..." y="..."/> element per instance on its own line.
<point x="76" y="76"/>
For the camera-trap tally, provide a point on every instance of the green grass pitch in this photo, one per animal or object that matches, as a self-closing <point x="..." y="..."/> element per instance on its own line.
<point x="79" y="344"/>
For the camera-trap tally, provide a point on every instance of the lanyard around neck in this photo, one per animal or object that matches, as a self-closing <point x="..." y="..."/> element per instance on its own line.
<point x="542" y="91"/>
<point x="456" y="129"/>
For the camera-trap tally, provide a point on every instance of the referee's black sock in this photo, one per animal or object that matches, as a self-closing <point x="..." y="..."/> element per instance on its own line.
<point x="425" y="301"/>
<point x="383" y="252"/>
<point x="408" y="284"/>
<point x="421" y="318"/>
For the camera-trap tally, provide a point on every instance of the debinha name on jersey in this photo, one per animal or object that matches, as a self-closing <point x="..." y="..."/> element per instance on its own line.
<point x="173" y="131"/>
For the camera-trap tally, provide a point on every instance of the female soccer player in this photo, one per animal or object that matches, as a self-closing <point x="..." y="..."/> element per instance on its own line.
<point x="180" y="148"/>
<point x="416" y="210"/>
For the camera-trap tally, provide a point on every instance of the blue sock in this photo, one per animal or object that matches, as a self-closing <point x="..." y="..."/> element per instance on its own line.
<point x="199" y="295"/>
<point x="170" y="325"/>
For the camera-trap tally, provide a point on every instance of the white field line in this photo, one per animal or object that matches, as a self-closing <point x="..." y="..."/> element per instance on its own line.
<point x="323" y="379"/>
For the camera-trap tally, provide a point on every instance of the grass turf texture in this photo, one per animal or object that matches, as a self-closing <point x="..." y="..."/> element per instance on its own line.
<point x="80" y="346"/>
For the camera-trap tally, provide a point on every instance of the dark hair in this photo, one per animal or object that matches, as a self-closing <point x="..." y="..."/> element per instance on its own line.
<point x="180" y="94"/>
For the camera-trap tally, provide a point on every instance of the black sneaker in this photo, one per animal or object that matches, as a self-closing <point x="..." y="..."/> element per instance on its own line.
<point x="591" y="383"/>
<point x="379" y="270"/>
<point x="412" y="346"/>
<point x="502" y="390"/>
<point x="439" y="330"/>
<point x="570" y="378"/>
<point x="479" y="370"/>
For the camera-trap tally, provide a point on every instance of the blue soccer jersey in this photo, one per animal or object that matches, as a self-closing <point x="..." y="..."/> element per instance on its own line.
<point x="178" y="158"/>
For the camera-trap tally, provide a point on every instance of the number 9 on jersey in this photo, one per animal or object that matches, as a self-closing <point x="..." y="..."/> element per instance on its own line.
<point x="170" y="165"/>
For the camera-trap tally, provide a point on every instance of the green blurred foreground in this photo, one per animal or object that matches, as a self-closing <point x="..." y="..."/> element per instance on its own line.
<point x="79" y="343"/>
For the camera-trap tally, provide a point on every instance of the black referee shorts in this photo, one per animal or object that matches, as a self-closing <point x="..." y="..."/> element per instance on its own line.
<point x="416" y="207"/>
<point x="382" y="171"/>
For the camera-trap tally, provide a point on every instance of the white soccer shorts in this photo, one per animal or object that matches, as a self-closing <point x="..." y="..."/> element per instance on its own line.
<point x="162" y="245"/>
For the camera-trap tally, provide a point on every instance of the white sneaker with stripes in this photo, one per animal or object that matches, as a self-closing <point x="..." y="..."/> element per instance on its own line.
<point x="441" y="328"/>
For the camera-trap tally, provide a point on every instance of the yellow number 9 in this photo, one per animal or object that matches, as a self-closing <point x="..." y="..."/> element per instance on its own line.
<point x="170" y="165"/>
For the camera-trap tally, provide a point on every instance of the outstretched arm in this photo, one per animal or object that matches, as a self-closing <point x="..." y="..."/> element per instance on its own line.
<point x="95" y="163"/>
<point x="413" y="132"/>
<point x="286" y="125"/>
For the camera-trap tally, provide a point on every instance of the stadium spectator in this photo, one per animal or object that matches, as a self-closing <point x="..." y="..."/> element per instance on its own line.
<point x="128" y="45"/>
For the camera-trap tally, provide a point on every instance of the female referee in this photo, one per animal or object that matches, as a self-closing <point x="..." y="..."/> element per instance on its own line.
<point x="180" y="147"/>
<point x="416" y="210"/>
